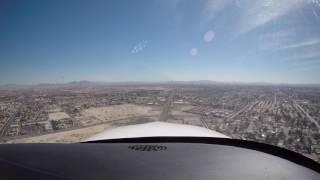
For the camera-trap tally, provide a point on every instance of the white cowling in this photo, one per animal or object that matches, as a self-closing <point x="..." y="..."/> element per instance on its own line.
<point x="156" y="129"/>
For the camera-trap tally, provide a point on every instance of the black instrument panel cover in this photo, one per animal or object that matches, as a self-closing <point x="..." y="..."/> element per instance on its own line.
<point x="155" y="158"/>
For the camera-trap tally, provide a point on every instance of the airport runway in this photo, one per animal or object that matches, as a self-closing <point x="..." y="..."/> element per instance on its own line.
<point x="167" y="106"/>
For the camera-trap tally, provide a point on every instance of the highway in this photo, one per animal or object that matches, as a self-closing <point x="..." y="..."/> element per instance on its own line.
<point x="306" y="114"/>
<point x="245" y="108"/>
<point x="7" y="125"/>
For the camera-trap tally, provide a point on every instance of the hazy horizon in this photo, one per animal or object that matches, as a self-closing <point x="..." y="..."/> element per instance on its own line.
<point x="200" y="82"/>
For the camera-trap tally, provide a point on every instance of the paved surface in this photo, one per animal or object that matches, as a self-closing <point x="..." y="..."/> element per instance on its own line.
<point x="307" y="115"/>
<point x="166" y="107"/>
<point x="204" y="123"/>
<point x="245" y="108"/>
<point x="7" y="125"/>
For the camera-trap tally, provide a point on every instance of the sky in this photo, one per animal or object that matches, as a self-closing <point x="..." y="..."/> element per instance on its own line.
<point x="275" y="41"/>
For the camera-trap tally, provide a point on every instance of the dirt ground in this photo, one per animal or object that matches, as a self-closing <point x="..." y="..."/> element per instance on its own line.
<point x="178" y="110"/>
<point x="58" y="115"/>
<point x="118" y="115"/>
<point x="110" y="113"/>
<point x="71" y="136"/>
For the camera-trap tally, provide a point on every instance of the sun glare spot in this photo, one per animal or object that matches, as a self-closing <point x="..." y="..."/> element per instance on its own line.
<point x="208" y="36"/>
<point x="194" y="51"/>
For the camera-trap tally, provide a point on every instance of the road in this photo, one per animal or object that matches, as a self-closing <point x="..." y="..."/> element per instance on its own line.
<point x="245" y="108"/>
<point x="306" y="114"/>
<point x="7" y="125"/>
<point x="167" y="106"/>
<point x="203" y="122"/>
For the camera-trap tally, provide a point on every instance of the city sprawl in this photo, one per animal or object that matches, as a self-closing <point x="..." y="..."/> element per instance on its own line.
<point x="282" y="115"/>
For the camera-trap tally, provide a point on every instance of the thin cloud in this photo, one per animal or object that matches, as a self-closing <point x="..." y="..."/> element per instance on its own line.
<point x="285" y="40"/>
<point x="276" y="40"/>
<point x="253" y="14"/>
<point x="139" y="47"/>
<point x="306" y="43"/>
<point x="302" y="57"/>
<point x="214" y="7"/>
<point x="259" y="13"/>
<point x="316" y="2"/>
<point x="285" y="33"/>
<point x="310" y="62"/>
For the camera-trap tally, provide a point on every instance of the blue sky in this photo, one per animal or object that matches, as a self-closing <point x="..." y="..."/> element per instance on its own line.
<point x="58" y="41"/>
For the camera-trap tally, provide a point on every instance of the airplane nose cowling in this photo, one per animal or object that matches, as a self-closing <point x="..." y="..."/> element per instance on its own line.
<point x="156" y="129"/>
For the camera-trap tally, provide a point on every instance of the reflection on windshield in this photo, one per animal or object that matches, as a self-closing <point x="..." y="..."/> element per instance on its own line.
<point x="249" y="70"/>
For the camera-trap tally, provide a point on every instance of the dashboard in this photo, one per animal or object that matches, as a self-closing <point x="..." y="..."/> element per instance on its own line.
<point x="155" y="158"/>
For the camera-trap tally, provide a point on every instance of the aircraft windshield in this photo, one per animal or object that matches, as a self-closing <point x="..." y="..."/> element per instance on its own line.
<point x="246" y="69"/>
